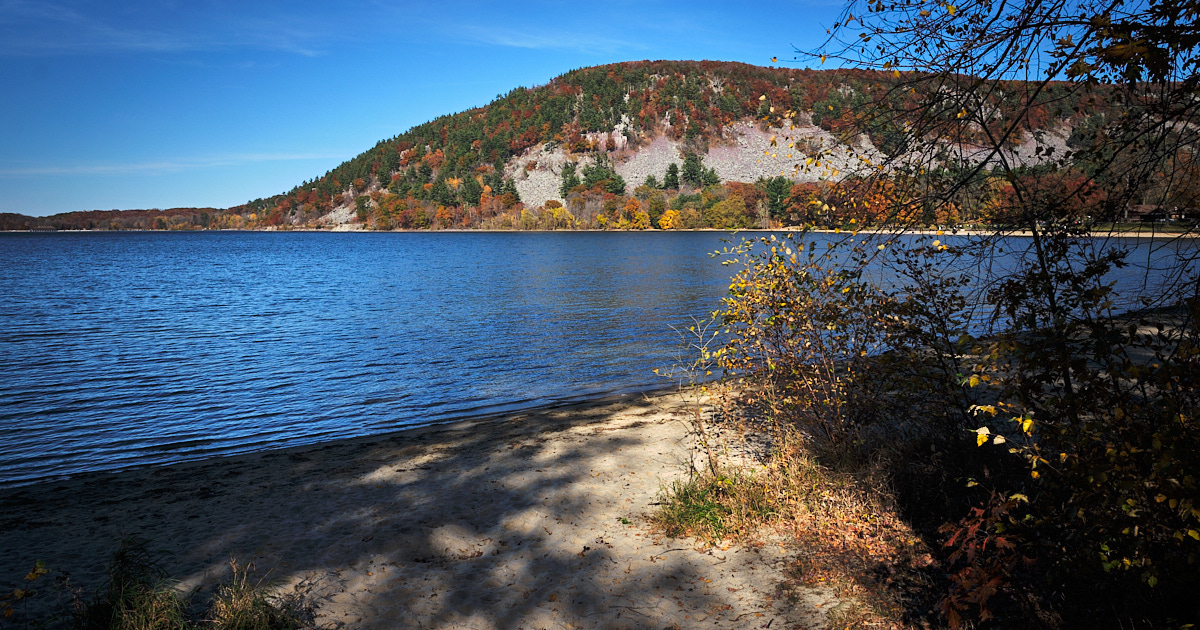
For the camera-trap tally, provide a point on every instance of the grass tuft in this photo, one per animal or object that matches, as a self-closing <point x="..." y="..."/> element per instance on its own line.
<point x="243" y="604"/>
<point x="135" y="596"/>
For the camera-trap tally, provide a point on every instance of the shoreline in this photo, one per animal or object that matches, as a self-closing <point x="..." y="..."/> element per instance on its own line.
<point x="358" y="229"/>
<point x="535" y="519"/>
<point x="464" y="421"/>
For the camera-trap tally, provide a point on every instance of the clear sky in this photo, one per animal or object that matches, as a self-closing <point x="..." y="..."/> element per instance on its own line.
<point x="158" y="104"/>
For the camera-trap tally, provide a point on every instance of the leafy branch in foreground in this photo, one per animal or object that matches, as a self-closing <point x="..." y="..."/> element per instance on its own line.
<point x="1060" y="411"/>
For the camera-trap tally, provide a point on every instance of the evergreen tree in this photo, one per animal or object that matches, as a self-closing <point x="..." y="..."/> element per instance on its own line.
<point x="651" y="182"/>
<point x="671" y="180"/>
<point x="441" y="193"/>
<point x="777" y="190"/>
<point x="710" y="177"/>
<point x="693" y="171"/>
<point x="509" y="186"/>
<point x="616" y="184"/>
<point x="569" y="180"/>
<point x="388" y="165"/>
<point x="469" y="191"/>
<point x="602" y="171"/>
<point x="399" y="186"/>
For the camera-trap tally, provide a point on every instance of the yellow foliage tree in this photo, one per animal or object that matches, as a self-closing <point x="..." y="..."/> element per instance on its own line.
<point x="669" y="220"/>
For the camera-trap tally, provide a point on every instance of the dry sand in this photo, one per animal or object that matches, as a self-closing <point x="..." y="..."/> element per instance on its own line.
<point x="527" y="521"/>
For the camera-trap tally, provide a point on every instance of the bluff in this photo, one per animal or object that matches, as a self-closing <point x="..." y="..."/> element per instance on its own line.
<point x="628" y="122"/>
<point x="596" y="146"/>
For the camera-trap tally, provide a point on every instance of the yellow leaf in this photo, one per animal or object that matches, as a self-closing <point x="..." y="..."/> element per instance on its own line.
<point x="999" y="439"/>
<point x="1019" y="497"/>
<point x="974" y="380"/>
<point x="981" y="435"/>
<point x="774" y="59"/>
<point x="1194" y="534"/>
<point x="924" y="13"/>
<point x="763" y="97"/>
<point x="896" y="73"/>
<point x="822" y="58"/>
<point x="950" y="8"/>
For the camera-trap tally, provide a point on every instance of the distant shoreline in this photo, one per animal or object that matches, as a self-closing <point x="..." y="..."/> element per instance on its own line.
<point x="782" y="230"/>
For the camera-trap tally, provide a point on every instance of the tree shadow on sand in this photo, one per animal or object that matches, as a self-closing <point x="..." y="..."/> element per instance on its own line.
<point x="531" y="521"/>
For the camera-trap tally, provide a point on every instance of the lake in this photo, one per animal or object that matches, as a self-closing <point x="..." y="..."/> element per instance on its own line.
<point x="128" y="349"/>
<point x="122" y="349"/>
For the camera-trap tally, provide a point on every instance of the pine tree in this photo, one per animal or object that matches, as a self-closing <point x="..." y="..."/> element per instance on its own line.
<point x="569" y="180"/>
<point x="693" y="170"/>
<point x="671" y="180"/>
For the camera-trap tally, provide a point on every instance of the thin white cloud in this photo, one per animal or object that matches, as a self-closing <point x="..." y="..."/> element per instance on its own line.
<point x="164" y="166"/>
<point x="50" y="29"/>
<point x="556" y="41"/>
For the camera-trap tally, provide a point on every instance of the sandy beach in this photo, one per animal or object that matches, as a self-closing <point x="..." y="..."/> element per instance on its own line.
<point x="534" y="520"/>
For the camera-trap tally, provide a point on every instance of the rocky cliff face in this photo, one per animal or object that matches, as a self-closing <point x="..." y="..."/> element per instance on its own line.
<point x="746" y="122"/>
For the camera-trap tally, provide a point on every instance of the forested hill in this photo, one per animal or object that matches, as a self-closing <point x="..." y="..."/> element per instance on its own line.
<point x="530" y="157"/>
<point x="607" y="115"/>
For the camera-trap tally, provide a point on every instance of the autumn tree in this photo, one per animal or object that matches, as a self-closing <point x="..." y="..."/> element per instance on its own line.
<point x="670" y="220"/>
<point x="1083" y="409"/>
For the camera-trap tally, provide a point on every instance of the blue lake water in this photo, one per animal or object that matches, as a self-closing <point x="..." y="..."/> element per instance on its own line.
<point x="120" y="349"/>
<point x="127" y="349"/>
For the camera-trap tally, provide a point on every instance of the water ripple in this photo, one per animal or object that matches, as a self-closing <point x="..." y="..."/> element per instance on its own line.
<point x="122" y="350"/>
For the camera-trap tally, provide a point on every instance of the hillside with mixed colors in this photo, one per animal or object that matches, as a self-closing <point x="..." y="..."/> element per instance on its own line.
<point x="663" y="144"/>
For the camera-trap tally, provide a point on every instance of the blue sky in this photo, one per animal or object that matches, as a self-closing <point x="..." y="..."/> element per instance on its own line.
<point x="214" y="103"/>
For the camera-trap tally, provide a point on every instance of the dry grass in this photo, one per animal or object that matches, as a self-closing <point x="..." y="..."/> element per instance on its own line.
<point x="839" y="510"/>
<point x="137" y="594"/>
<point x="244" y="604"/>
